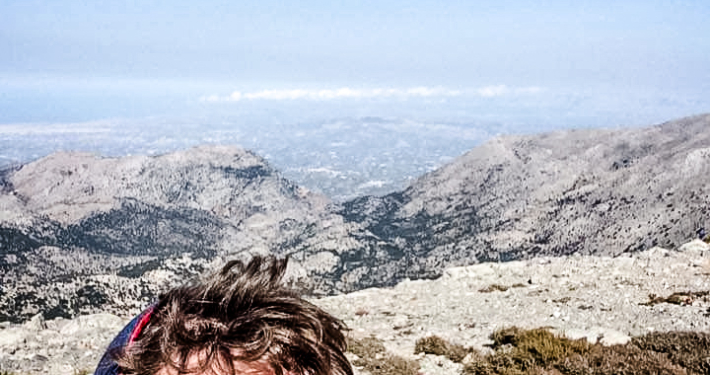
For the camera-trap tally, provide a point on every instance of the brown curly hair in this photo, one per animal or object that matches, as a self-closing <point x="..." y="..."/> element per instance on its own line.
<point x="240" y="315"/>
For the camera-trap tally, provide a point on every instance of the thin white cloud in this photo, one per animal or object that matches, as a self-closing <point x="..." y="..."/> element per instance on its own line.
<point x="492" y="91"/>
<point x="501" y="90"/>
<point x="352" y="93"/>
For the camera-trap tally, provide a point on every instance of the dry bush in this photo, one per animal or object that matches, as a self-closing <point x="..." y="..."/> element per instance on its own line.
<point x="537" y="351"/>
<point x="677" y="298"/>
<point x="373" y="357"/>
<point x="619" y="360"/>
<point x="438" y="346"/>
<point x="499" y="363"/>
<point x="540" y="347"/>
<point x="494" y="288"/>
<point x="690" y="350"/>
<point x="368" y="347"/>
<point x="392" y="365"/>
<point x="504" y="336"/>
<point x="525" y="352"/>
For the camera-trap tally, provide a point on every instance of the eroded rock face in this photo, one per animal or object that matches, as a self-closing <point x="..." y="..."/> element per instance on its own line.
<point x="602" y="299"/>
<point x="82" y="234"/>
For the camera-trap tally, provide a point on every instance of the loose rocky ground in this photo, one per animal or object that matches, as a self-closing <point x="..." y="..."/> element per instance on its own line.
<point x="600" y="298"/>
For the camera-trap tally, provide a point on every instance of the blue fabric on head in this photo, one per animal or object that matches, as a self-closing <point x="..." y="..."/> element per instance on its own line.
<point x="107" y="366"/>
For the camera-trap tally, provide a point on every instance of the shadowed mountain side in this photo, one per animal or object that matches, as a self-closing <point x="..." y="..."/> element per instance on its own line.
<point x="137" y="228"/>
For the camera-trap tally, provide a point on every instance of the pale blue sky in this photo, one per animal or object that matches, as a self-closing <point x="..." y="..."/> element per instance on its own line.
<point x="81" y="60"/>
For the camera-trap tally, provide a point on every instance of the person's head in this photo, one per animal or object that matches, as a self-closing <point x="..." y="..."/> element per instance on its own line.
<point x="240" y="320"/>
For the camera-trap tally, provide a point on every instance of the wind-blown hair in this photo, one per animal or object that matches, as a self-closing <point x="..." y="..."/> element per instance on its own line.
<point x="241" y="314"/>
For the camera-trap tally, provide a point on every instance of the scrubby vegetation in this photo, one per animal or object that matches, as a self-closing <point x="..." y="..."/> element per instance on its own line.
<point x="438" y="346"/>
<point x="678" y="298"/>
<point x="374" y="358"/>
<point x="690" y="350"/>
<point x="525" y="352"/>
<point x="500" y="288"/>
<point x="494" y="288"/>
<point x="538" y="351"/>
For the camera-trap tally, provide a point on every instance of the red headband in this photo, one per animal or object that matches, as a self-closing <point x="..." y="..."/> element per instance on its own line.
<point x="140" y="325"/>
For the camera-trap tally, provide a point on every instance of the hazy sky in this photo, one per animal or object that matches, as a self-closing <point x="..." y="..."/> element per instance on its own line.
<point x="65" y="60"/>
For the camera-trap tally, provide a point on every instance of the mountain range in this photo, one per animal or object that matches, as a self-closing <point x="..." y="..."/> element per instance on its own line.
<point x="81" y="233"/>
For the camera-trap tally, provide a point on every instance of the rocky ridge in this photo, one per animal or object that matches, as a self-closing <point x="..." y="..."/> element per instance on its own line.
<point x="603" y="299"/>
<point x="82" y="234"/>
<point x="589" y="191"/>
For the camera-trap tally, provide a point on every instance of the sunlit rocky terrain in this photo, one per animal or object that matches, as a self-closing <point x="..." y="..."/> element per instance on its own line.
<point x="82" y="234"/>
<point x="601" y="299"/>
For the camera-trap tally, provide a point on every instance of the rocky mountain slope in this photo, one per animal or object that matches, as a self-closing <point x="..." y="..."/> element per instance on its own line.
<point x="591" y="191"/>
<point x="83" y="234"/>
<point x="80" y="233"/>
<point x="602" y="299"/>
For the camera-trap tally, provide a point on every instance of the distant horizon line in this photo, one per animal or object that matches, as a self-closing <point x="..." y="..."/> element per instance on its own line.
<point x="371" y="93"/>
